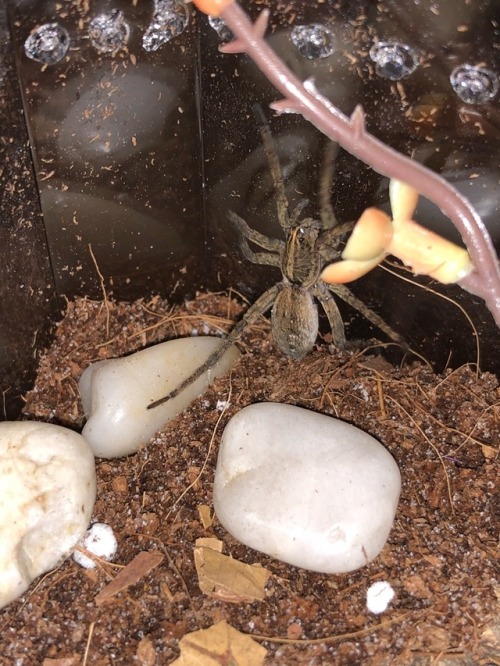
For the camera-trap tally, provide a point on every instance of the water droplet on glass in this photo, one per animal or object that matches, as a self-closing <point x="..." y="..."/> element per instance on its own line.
<point x="220" y="27"/>
<point x="170" y="19"/>
<point x="48" y="43"/>
<point x="474" y="85"/>
<point x="313" y="41"/>
<point x="109" y="32"/>
<point x="393" y="60"/>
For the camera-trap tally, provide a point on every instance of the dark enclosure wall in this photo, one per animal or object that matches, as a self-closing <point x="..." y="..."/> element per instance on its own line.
<point x="140" y="153"/>
<point x="28" y="306"/>
<point x="116" y="148"/>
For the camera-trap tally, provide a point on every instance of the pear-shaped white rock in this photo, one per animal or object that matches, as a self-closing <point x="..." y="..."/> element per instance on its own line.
<point x="47" y="494"/>
<point x="115" y="393"/>
<point x="305" y="488"/>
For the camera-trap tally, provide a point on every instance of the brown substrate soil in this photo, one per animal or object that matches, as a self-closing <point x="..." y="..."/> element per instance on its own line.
<point x="441" y="555"/>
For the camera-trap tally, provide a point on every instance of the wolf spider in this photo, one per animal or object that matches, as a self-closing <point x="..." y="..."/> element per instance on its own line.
<point x="308" y="246"/>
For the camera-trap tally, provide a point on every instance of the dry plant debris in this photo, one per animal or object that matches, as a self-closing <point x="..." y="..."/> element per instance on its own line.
<point x="221" y="644"/>
<point x="440" y="559"/>
<point x="141" y="565"/>
<point x="225" y="578"/>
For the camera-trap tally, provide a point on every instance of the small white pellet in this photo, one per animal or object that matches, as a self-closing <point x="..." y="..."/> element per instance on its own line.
<point x="98" y="540"/>
<point x="379" y="596"/>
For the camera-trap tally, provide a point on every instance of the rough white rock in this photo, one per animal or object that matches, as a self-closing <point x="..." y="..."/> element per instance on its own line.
<point x="115" y="393"/>
<point x="47" y="494"/>
<point x="305" y="488"/>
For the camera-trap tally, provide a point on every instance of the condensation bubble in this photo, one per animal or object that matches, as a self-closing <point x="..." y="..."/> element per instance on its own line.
<point x="48" y="43"/>
<point x="313" y="41"/>
<point x="220" y="27"/>
<point x="109" y="32"/>
<point x="393" y="60"/>
<point x="474" y="85"/>
<point x="170" y="19"/>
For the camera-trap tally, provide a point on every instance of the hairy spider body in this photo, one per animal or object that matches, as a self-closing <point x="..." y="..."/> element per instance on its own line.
<point x="308" y="246"/>
<point x="294" y="314"/>
<point x="294" y="320"/>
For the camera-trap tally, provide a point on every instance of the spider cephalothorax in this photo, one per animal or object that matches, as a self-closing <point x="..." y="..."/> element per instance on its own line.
<point x="308" y="246"/>
<point x="301" y="263"/>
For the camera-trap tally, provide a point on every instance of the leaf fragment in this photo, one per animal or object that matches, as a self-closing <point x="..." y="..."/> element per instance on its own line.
<point x="219" y="645"/>
<point x="206" y="516"/>
<point x="141" y="565"/>
<point x="225" y="578"/>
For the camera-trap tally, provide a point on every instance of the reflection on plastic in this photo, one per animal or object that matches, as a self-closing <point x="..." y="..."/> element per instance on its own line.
<point x="48" y="43"/>
<point x="220" y="27"/>
<point x="170" y="19"/>
<point x="474" y="84"/>
<point x="109" y="32"/>
<point x="393" y="60"/>
<point x="313" y="41"/>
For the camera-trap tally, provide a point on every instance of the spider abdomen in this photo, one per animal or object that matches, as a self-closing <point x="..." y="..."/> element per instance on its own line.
<point x="294" y="321"/>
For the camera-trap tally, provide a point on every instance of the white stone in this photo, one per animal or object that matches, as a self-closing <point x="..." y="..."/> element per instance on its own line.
<point x="115" y="393"/>
<point x="47" y="494"/>
<point x="305" y="488"/>
<point x="379" y="596"/>
<point x="99" y="540"/>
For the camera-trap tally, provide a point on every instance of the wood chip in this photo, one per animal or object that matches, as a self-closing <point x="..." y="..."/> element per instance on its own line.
<point x="141" y="565"/>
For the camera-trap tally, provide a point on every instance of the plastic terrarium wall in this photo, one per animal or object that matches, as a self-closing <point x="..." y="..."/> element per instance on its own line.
<point x="143" y="136"/>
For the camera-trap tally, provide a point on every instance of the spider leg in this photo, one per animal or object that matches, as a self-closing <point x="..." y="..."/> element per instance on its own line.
<point x="277" y="176"/>
<point x="261" y="305"/>
<point x="328" y="217"/>
<point x="333" y="314"/>
<point x="297" y="212"/>
<point x="273" y="245"/>
<point x="346" y="295"/>
<point x="329" y="240"/>
<point x="332" y="230"/>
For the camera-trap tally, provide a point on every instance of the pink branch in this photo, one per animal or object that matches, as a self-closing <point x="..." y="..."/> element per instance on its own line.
<point x="351" y="134"/>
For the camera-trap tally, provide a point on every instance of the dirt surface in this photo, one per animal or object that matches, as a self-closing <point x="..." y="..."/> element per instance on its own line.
<point x="441" y="555"/>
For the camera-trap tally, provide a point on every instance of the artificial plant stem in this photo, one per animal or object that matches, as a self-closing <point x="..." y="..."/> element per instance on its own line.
<point x="350" y="133"/>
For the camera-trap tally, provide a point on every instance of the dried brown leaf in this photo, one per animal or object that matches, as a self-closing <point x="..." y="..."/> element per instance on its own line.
<point x="210" y="542"/>
<point x="146" y="654"/>
<point x="228" y="579"/>
<point x="219" y="645"/>
<point x="134" y="571"/>
<point x="206" y="516"/>
<point x="490" y="637"/>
